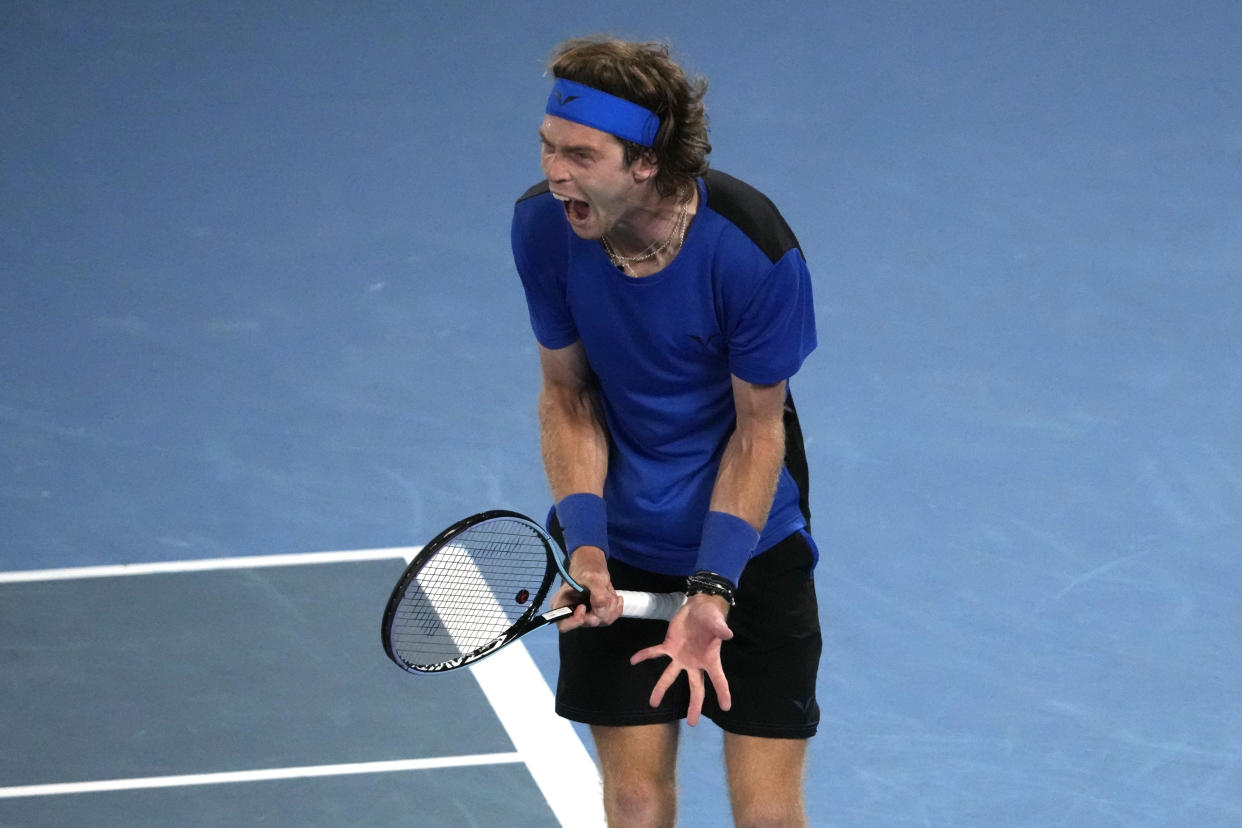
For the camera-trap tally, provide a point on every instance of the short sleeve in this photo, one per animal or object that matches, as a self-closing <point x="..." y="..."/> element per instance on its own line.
<point x="775" y="329"/>
<point x="540" y="253"/>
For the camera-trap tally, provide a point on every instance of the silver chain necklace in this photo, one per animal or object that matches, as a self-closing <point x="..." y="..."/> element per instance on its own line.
<point x="656" y="248"/>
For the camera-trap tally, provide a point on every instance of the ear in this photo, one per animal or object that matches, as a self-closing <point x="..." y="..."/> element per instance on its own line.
<point x="645" y="168"/>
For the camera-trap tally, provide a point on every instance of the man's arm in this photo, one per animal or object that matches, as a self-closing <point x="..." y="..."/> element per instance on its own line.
<point x="572" y="435"/>
<point x="745" y="486"/>
<point x="575" y="457"/>
<point x="751" y="466"/>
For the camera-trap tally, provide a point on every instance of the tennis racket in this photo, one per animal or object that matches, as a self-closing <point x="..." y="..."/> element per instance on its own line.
<point x="478" y="586"/>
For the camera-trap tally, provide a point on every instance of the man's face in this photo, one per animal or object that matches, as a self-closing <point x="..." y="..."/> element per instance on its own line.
<point x="586" y="171"/>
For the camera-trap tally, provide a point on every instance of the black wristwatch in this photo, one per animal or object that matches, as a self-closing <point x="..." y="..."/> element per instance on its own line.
<point x="710" y="583"/>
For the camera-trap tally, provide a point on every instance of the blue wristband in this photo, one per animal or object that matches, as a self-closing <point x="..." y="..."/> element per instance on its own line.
<point x="726" y="545"/>
<point x="584" y="521"/>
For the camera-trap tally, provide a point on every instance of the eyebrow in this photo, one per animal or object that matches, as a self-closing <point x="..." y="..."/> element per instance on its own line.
<point x="586" y="148"/>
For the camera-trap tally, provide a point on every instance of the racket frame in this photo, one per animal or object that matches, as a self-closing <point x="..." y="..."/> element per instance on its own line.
<point x="639" y="605"/>
<point x="528" y="621"/>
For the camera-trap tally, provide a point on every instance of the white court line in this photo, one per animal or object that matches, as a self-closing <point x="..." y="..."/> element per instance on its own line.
<point x="265" y="775"/>
<point x="512" y="683"/>
<point x="206" y="565"/>
<point x="555" y="756"/>
<point x="562" y="768"/>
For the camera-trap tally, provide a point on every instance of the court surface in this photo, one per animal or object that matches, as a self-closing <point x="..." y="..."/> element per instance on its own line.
<point x="260" y="336"/>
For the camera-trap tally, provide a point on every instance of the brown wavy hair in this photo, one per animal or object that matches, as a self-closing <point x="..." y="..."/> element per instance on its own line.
<point x="646" y="74"/>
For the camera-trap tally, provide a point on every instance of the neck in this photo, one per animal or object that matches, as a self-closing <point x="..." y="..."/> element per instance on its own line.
<point x="653" y="235"/>
<point x="648" y="225"/>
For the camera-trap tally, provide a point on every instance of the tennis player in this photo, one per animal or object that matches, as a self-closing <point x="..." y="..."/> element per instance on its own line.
<point x="671" y="304"/>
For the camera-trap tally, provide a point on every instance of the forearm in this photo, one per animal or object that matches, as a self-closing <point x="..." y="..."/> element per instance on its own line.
<point x="573" y="440"/>
<point x="575" y="456"/>
<point x="749" y="471"/>
<point x="746" y="481"/>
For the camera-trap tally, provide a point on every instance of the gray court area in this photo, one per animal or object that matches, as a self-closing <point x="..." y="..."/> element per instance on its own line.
<point x="257" y="300"/>
<point x="171" y="675"/>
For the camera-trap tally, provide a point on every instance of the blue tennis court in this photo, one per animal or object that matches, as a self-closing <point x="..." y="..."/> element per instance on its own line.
<point x="261" y="336"/>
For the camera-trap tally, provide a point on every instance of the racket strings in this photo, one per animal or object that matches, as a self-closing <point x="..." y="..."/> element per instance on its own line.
<point x="471" y="592"/>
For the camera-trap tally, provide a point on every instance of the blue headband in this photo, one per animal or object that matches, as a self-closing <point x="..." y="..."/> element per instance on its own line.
<point x="591" y="107"/>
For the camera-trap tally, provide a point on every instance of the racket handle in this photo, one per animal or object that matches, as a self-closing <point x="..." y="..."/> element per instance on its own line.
<point x="660" y="606"/>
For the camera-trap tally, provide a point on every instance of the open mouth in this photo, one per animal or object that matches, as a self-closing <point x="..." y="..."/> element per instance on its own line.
<point x="577" y="211"/>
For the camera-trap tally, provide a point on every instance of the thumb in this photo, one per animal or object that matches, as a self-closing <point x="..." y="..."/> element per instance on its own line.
<point x="647" y="653"/>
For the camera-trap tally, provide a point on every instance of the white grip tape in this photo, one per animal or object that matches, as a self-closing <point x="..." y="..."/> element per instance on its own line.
<point x="655" y="605"/>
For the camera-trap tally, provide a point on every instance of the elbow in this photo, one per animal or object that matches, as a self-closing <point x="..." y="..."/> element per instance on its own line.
<point x="761" y="436"/>
<point x="567" y="402"/>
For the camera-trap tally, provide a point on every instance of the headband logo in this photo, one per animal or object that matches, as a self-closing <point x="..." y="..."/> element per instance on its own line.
<point x="563" y="98"/>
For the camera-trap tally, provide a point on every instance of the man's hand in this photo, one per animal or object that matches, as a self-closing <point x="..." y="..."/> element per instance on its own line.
<point x="693" y="644"/>
<point x="602" y="605"/>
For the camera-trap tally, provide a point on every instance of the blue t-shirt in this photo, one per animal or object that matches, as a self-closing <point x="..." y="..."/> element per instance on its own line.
<point x="735" y="301"/>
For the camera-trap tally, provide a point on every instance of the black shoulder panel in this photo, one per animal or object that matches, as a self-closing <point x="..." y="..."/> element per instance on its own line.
<point x="751" y="212"/>
<point x="538" y="189"/>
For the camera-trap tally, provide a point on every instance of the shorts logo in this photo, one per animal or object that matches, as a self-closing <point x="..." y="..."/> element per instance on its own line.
<point x="704" y="342"/>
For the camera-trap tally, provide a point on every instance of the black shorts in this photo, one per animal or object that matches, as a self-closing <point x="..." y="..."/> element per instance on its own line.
<point x="771" y="662"/>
